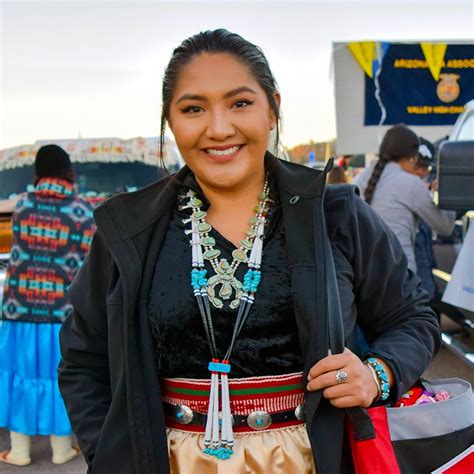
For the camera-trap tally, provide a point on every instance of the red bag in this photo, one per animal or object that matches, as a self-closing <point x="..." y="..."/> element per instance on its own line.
<point x="374" y="456"/>
<point x="415" y="439"/>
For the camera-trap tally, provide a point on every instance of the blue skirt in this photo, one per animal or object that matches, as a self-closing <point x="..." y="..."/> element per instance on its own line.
<point x="30" y="400"/>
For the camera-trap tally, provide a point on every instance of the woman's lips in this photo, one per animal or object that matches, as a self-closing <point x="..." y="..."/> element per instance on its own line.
<point x="221" y="155"/>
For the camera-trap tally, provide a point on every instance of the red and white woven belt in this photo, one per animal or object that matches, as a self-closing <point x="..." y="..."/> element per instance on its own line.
<point x="252" y="397"/>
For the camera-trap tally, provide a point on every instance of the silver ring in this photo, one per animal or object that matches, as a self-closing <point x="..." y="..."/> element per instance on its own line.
<point x="341" y="376"/>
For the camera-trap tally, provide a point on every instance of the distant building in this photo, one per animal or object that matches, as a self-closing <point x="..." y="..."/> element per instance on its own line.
<point x="322" y="150"/>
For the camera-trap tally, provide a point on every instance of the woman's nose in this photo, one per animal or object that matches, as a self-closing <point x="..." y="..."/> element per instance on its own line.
<point x="219" y="126"/>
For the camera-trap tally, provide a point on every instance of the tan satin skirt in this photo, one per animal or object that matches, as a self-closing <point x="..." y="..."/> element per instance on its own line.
<point x="279" y="451"/>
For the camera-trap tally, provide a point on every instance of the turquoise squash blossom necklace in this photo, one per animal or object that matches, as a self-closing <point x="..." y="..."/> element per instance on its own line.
<point x="224" y="285"/>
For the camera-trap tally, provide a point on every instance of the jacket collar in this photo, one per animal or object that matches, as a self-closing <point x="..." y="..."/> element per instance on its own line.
<point x="134" y="212"/>
<point x="297" y="180"/>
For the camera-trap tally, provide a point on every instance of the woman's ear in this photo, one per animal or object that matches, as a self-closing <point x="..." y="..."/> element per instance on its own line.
<point x="274" y="119"/>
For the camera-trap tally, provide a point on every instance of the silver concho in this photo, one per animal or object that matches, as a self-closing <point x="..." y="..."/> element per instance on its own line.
<point x="183" y="414"/>
<point x="300" y="413"/>
<point x="259" y="420"/>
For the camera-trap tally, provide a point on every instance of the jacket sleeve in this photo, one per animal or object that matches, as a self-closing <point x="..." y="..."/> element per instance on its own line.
<point x="84" y="369"/>
<point x="392" y="309"/>
<point x="422" y="205"/>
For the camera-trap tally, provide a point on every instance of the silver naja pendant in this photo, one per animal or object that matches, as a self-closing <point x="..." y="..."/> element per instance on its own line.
<point x="229" y="285"/>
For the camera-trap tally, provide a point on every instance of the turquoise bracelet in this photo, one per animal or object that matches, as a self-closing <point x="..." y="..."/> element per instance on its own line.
<point x="381" y="376"/>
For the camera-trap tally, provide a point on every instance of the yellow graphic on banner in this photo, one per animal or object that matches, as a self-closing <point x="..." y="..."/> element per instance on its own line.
<point x="434" y="55"/>
<point x="405" y="63"/>
<point x="448" y="89"/>
<point x="364" y="53"/>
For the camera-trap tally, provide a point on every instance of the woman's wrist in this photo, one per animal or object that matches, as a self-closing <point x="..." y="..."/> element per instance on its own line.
<point x="382" y="377"/>
<point x="376" y="381"/>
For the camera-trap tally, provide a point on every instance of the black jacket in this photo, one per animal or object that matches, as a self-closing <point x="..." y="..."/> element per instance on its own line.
<point x="108" y="374"/>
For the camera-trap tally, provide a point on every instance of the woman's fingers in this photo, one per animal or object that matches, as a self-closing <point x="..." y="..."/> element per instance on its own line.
<point x="347" y="386"/>
<point x="344" y="379"/>
<point x="345" y="402"/>
<point x="338" y="391"/>
<point x="327" y="379"/>
<point x="330" y="363"/>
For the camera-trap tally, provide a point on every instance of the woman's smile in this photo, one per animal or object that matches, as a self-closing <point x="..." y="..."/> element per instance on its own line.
<point x="224" y="153"/>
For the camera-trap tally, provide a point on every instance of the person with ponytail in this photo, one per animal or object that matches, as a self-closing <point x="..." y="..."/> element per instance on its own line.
<point x="393" y="189"/>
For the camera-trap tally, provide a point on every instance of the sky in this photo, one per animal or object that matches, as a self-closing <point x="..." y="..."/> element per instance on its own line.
<point x="94" y="69"/>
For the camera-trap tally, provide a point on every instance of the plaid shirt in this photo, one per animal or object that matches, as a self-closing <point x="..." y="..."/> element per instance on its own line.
<point x="52" y="232"/>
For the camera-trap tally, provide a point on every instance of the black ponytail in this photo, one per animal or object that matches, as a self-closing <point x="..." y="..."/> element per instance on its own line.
<point x="374" y="177"/>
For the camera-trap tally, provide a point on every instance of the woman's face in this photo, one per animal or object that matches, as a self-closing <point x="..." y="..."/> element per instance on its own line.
<point x="221" y="120"/>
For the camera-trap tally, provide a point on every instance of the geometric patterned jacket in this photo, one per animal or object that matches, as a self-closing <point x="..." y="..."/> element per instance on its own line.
<point x="52" y="233"/>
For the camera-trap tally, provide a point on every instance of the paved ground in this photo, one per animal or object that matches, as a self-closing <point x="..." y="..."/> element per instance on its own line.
<point x="448" y="365"/>
<point x="444" y="365"/>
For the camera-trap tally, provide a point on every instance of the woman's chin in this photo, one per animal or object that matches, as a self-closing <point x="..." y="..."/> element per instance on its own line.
<point x="224" y="180"/>
<point x="225" y="177"/>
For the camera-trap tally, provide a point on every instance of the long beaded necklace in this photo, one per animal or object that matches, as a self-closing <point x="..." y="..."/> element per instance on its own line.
<point x="218" y="437"/>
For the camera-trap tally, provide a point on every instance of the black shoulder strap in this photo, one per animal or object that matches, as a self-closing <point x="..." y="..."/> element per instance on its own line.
<point x="333" y="302"/>
<point x="360" y="419"/>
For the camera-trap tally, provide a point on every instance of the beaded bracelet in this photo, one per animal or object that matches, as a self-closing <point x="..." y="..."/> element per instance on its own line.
<point x="376" y="380"/>
<point x="382" y="377"/>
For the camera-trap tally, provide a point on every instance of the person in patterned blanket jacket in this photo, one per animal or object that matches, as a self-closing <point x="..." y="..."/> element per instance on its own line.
<point x="52" y="232"/>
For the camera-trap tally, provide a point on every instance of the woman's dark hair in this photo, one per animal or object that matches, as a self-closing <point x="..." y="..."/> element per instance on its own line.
<point x="399" y="142"/>
<point x="214" y="42"/>
<point x="53" y="162"/>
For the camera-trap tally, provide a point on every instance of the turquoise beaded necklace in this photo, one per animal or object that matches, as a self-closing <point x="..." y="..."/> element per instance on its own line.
<point x="219" y="438"/>
<point x="224" y="271"/>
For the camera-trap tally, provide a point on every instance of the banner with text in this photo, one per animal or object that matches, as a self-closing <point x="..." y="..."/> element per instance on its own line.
<point x="420" y="84"/>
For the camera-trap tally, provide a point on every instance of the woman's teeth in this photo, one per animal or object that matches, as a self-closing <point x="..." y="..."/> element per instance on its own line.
<point x="226" y="152"/>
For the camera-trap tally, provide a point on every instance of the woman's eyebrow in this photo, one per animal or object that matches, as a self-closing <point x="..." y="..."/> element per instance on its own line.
<point x="231" y="93"/>
<point x="190" y="97"/>
<point x="238" y="91"/>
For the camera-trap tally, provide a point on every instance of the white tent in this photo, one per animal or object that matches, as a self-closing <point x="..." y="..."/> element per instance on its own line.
<point x="110" y="150"/>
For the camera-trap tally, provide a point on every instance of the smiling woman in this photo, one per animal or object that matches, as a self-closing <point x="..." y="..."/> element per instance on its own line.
<point x="199" y="341"/>
<point x="221" y="119"/>
<point x="223" y="128"/>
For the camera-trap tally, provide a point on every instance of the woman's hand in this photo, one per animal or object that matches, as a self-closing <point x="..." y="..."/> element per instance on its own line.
<point x="358" y="390"/>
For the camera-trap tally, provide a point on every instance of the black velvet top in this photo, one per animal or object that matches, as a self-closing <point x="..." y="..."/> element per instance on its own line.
<point x="268" y="343"/>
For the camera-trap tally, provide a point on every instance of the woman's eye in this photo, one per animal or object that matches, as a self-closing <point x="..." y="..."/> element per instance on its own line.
<point x="242" y="103"/>
<point x="192" y="109"/>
